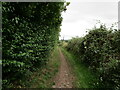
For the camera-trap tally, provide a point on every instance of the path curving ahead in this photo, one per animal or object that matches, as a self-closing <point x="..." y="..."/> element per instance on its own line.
<point x="64" y="78"/>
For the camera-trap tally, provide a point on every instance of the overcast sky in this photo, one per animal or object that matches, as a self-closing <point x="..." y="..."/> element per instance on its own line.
<point x="81" y="16"/>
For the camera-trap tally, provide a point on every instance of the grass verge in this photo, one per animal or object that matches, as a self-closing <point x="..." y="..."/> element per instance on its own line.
<point x="84" y="77"/>
<point x="42" y="78"/>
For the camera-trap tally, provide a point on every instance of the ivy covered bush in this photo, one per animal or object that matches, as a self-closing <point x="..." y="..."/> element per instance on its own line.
<point x="29" y="32"/>
<point x="100" y="51"/>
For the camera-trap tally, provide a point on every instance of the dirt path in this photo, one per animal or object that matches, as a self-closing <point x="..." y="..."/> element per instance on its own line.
<point x="64" y="78"/>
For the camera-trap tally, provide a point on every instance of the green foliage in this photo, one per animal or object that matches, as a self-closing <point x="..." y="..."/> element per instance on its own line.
<point x="30" y="31"/>
<point x="43" y="77"/>
<point x="84" y="78"/>
<point x="100" y="51"/>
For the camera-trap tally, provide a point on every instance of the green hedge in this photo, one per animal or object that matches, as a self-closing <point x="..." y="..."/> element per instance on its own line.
<point x="29" y="33"/>
<point x="100" y="51"/>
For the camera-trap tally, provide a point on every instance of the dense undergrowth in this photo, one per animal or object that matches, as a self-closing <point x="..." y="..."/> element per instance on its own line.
<point x="84" y="77"/>
<point x="43" y="77"/>
<point x="29" y="33"/>
<point x="99" y="50"/>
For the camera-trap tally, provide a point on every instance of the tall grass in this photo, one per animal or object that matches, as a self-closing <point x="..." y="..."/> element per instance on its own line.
<point x="84" y="77"/>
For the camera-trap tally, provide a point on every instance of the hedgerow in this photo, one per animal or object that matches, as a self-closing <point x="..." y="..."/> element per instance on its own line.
<point x="29" y="33"/>
<point x="100" y="51"/>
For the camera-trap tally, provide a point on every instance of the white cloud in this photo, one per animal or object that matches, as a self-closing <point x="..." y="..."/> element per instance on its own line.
<point x="83" y="15"/>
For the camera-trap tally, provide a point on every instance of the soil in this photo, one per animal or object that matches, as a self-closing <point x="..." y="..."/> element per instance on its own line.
<point x="64" y="77"/>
